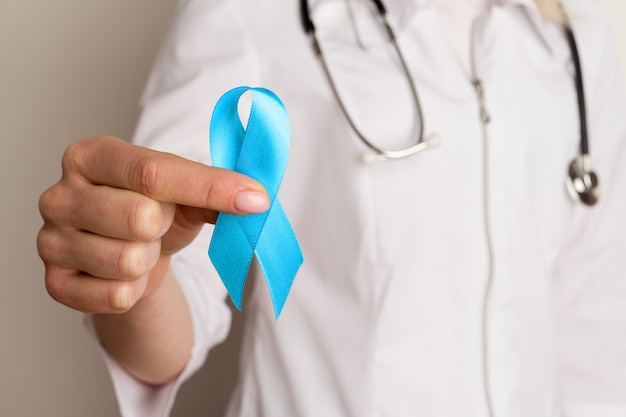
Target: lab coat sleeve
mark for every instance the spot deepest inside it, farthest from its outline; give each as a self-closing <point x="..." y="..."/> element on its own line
<point x="211" y="321"/>
<point x="590" y="285"/>
<point x="206" y="52"/>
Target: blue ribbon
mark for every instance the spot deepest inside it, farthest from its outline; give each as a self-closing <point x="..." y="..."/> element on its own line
<point x="259" y="151"/>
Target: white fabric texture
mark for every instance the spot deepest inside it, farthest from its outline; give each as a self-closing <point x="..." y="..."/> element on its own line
<point x="385" y="317"/>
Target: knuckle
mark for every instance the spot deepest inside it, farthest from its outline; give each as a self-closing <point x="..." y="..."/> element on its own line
<point x="48" y="244"/>
<point x="211" y="188"/>
<point x="78" y="154"/>
<point x="147" y="176"/>
<point x="50" y="201"/>
<point x="45" y="202"/>
<point x="219" y="192"/>
<point x="43" y="243"/>
<point x="72" y="155"/>
<point x="56" y="285"/>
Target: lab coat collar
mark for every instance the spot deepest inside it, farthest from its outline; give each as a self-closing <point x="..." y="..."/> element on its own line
<point x="404" y="7"/>
<point x="403" y="10"/>
<point x="534" y="16"/>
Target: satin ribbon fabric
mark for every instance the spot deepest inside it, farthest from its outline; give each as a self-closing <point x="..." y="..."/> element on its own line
<point x="259" y="151"/>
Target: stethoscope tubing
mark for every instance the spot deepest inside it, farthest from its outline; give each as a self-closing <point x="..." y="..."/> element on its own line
<point x="582" y="181"/>
<point x="420" y="143"/>
<point x="580" y="90"/>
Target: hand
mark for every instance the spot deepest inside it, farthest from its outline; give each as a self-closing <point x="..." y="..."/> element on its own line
<point x="119" y="210"/>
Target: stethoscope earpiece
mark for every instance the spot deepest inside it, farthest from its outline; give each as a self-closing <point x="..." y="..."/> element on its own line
<point x="582" y="182"/>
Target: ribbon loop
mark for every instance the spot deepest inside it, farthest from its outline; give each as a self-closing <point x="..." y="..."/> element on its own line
<point x="259" y="151"/>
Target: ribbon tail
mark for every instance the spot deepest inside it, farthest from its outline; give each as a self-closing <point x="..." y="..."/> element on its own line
<point x="231" y="253"/>
<point x="279" y="256"/>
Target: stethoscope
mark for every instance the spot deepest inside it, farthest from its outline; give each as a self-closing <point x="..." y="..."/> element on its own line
<point x="581" y="180"/>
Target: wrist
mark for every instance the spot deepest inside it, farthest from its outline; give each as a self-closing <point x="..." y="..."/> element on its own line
<point x="152" y="340"/>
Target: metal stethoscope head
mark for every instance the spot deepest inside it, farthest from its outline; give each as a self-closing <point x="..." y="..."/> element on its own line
<point x="581" y="180"/>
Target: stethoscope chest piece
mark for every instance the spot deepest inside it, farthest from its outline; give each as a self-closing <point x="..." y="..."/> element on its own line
<point x="582" y="182"/>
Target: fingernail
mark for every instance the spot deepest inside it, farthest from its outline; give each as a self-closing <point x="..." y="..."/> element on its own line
<point x="252" y="202"/>
<point x="123" y="298"/>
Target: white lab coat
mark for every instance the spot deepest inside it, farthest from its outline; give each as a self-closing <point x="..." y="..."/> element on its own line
<point x="385" y="317"/>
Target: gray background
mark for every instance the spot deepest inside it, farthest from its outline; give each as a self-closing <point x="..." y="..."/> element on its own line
<point x="71" y="69"/>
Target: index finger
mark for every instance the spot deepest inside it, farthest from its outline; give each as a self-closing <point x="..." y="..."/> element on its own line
<point x="163" y="176"/>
